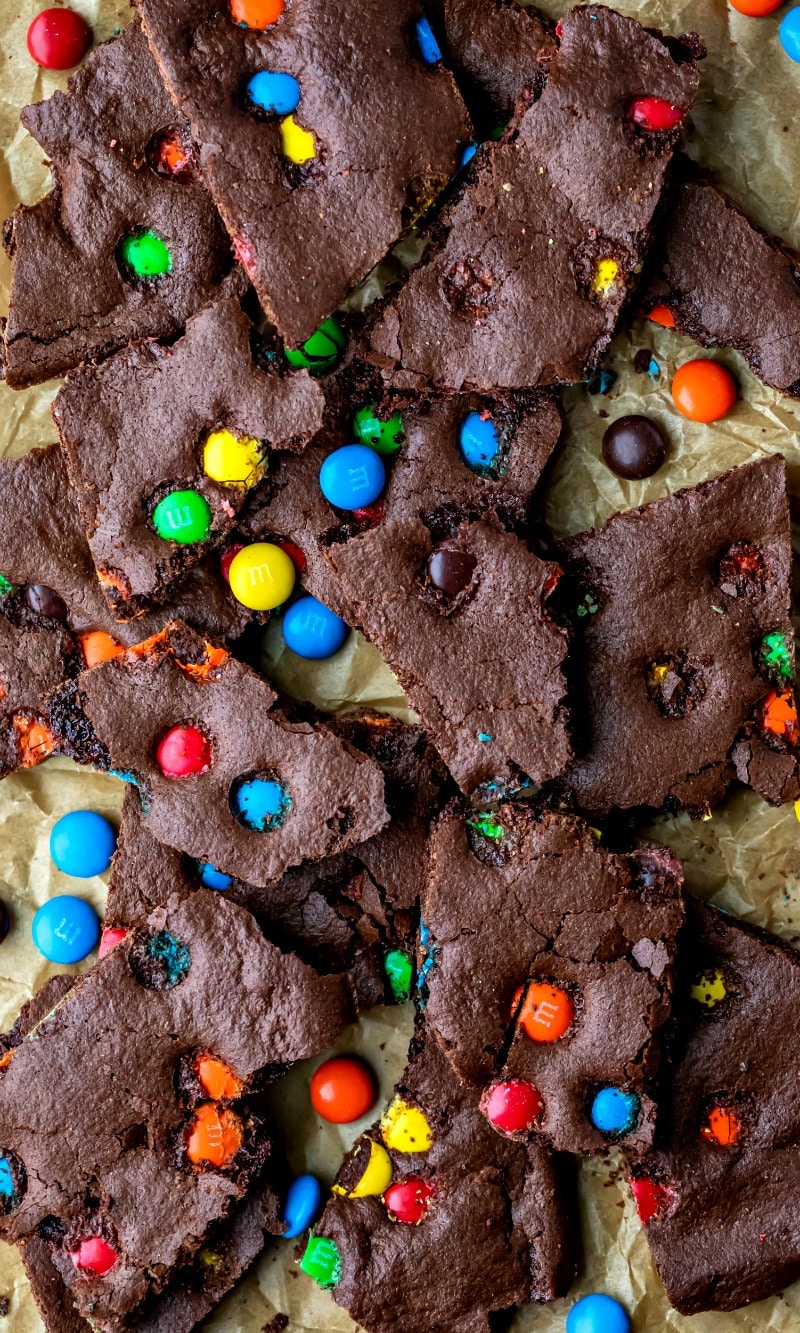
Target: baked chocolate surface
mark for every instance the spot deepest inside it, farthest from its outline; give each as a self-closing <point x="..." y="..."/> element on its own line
<point x="135" y="429"/>
<point x="33" y="662"/>
<point x="523" y="896"/>
<point x="331" y="795"/>
<point x="386" y="133"/>
<point x="711" y="261"/>
<point x="70" y="301"/>
<point x="123" y="1049"/>
<point x="499" y="1226"/>
<point x="495" y="48"/>
<point x="535" y="256"/>
<point x="688" y="647"/>
<point x="723" y="1225"/>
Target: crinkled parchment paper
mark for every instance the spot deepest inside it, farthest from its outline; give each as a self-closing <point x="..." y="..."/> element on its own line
<point x="746" y="857"/>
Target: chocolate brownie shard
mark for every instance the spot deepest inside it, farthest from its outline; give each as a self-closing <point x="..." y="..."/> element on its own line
<point x="494" y="1217"/>
<point x="535" y="257"/>
<point x="547" y="959"/>
<point x="156" y="1055"/>
<point x="688" y="647"/>
<point x="317" y="180"/>
<point x="717" y="1196"/>
<point x="711" y="261"/>
<point x="223" y="776"/>
<point x="34" y="660"/>
<point x="198" y="418"/>
<point x="355" y="911"/>
<point x="110" y="139"/>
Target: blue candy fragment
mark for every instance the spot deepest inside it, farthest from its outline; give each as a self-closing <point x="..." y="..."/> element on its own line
<point x="173" y="955"/>
<point x="277" y="94"/>
<point x="260" y="803"/>
<point x="789" y="33"/>
<point x="302" y="1206"/>
<point x="615" y="1112"/>
<point x="429" y="48"/>
<point x="213" y="878"/>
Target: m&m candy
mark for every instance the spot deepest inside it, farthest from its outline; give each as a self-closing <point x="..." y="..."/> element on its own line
<point x="322" y="1261"/>
<point x="170" y="153"/>
<point x="261" y="803"/>
<point x="352" y="477"/>
<point x="301" y="1206"/>
<point x="182" y="516"/>
<point x="513" y="1107"/>
<point x="145" y="256"/>
<point x="789" y="33"/>
<point x="261" y="576"/>
<point x="82" y="843"/>
<point x="257" y="14"/>
<point x="94" y="1256"/>
<point x="479" y="441"/>
<point x="273" y="92"/>
<point x="184" y="752"/>
<point x="343" y="1090"/>
<point x="614" y="1112"/>
<point x="321" y="352"/>
<point x="385" y="436"/>
<point x="467" y="153"/>
<point x="703" y="390"/>
<point x="405" y="1128"/>
<point x="58" y="39"/>
<point x="428" y="46"/>
<point x="376" y="1175"/>
<point x="214" y="1137"/>
<point x="652" y="1199"/>
<point x="232" y="460"/>
<point x="216" y="1078"/>
<point x="756" y="9"/>
<point x="399" y="973"/>
<point x="722" y="1127"/>
<point x="110" y="938"/>
<point x="65" y="929"/>
<point x="312" y="630"/>
<point x="407" y="1200"/>
<point x="598" y="1314"/>
<point x="97" y="646"/>
<point x="653" y="113"/>
<point x="661" y="314"/>
<point x="213" y="878"/>
<point x="547" y="1011"/>
<point x="297" y="143"/>
<point x="709" y="989"/>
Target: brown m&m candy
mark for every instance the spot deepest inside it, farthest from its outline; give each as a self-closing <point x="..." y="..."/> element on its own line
<point x="451" y="571"/>
<point x="45" y="601"/>
<point x="634" y="447"/>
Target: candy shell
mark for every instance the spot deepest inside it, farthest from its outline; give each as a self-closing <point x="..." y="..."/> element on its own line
<point x="479" y="441"/>
<point x="184" y="752"/>
<point x="302" y="1205"/>
<point x="182" y="516"/>
<point x="547" y="1013"/>
<point x="260" y="803"/>
<point x="512" y="1106"/>
<point x="399" y="973"/>
<point x="58" y="39"/>
<point x="615" y="1112"/>
<point x="312" y="630"/>
<point x="213" y="878"/>
<point x="144" y="256"/>
<point x="233" y="460"/>
<point x="261" y="576"/>
<point x="94" y="1256"/>
<point x="214" y="1136"/>
<point x="789" y="33"/>
<point x="257" y="14"/>
<point x="722" y="1127"/>
<point x="407" y="1200"/>
<point x="598" y="1314"/>
<point x="427" y="44"/>
<point x="216" y="1078"/>
<point x="65" y="929"/>
<point x="352" y="477"/>
<point x="661" y="314"/>
<point x="110" y="938"/>
<point x="297" y="143"/>
<point x="385" y="436"/>
<point x="710" y="989"/>
<point x="405" y="1128"/>
<point x="343" y="1090"/>
<point x="321" y="351"/>
<point x="322" y="1261"/>
<point x="97" y="646"/>
<point x="376" y="1176"/>
<point x="82" y="843"/>
<point x="703" y="390"/>
<point x="654" y="113"/>
<point x="651" y="1198"/>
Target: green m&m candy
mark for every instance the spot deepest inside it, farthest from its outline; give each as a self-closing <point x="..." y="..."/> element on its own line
<point x="776" y="655"/>
<point x="487" y="826"/>
<point x="321" y="352"/>
<point x="322" y="1261"/>
<point x="6" y="585"/>
<point x="385" y="437"/>
<point x="144" y="255"/>
<point x="182" y="516"/>
<point x="399" y="973"/>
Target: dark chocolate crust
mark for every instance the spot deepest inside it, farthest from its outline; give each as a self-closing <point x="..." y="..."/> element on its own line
<point x="505" y="295"/>
<point x="495" y="48"/>
<point x="69" y="302"/>
<point x="34" y="660"/>
<point x="499" y="1230"/>
<point x="386" y="130"/>
<point x="728" y="1232"/>
<point x="544" y="900"/>
<point x="655" y="577"/>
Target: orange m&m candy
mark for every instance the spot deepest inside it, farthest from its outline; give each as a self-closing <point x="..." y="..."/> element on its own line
<point x="756" y="9"/>
<point x="703" y="390"/>
<point x="661" y="314"/>
<point x="215" y="1136"/>
<point x="97" y="647"/>
<point x="343" y="1089"/>
<point x="258" y="14"/>
<point x="547" y="1012"/>
<point x="722" y="1127"/>
<point x="779" y="715"/>
<point x="216" y="1078"/>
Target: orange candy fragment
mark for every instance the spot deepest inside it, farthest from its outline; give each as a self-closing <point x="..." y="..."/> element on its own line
<point x="661" y="314"/>
<point x="35" y="741"/>
<point x="779" y="715"/>
<point x="97" y="647"/>
<point x="547" y="1012"/>
<point x="756" y="9"/>
<point x="215" y="1136"/>
<point x="215" y="660"/>
<point x="216" y="1078"/>
<point x="722" y="1127"/>
<point x="704" y="390"/>
<point x="258" y="14"/>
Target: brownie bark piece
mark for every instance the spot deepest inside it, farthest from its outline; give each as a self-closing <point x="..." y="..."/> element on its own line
<point x="137" y="427"/>
<point x="718" y="1195"/>
<point x="523" y="902"/>
<point x="43" y="545"/>
<point x="328" y="797"/>
<point x="33" y="662"/>
<point x="123" y="1048"/>
<point x="71" y="300"/>
<point x="535" y="256"/>
<point x="495" y="48"/>
<point x="497" y="1230"/>
<point x="711" y="261"/>
<point x="385" y="131"/>
<point x="688" y="647"/>
<point x="354" y="912"/>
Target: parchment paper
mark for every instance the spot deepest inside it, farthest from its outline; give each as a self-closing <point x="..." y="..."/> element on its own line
<point x="746" y="857"/>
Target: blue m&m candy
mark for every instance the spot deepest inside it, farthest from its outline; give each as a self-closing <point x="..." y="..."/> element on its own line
<point x="479" y="442"/>
<point x="65" y="929"/>
<point x="429" y="48"/>
<point x="82" y="843"/>
<point x="598" y="1314"/>
<point x="302" y="1206"/>
<point x="213" y="878"/>
<point x="260" y="803"/>
<point x="312" y="630"/>
<point x="615" y="1112"/>
<point x="467" y="153"/>
<point x="789" y="33"/>
<point x="352" y="477"/>
<point x="278" y="94"/>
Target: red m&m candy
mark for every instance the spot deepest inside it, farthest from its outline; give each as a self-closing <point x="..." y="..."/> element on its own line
<point x="343" y="1089"/>
<point x="110" y="938"/>
<point x="184" y="752"/>
<point x="651" y="1198"/>
<point x="94" y="1256"/>
<point x="58" y="38"/>
<point x="653" y="113"/>
<point x="513" y="1106"/>
<point x="756" y="9"/>
<point x="407" y="1200"/>
<point x="703" y="390"/>
<point x="661" y="314"/>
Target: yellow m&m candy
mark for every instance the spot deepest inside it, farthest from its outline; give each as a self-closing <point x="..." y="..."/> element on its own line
<point x="233" y="460"/>
<point x="296" y="143"/>
<point x="405" y="1128"/>
<point x="376" y="1176"/>
<point x="261" y="576"/>
<point x="605" y="277"/>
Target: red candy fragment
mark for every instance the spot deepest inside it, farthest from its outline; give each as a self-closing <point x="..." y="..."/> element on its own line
<point x="407" y="1200"/>
<point x="184" y="752"/>
<point x="170" y="153"/>
<point x="779" y="716"/>
<point x="94" y="1256"/>
<point x="722" y="1127"/>
<point x="110" y="938"/>
<point x="227" y="558"/>
<point x="651" y="1198"/>
<point x="296" y="556"/>
<point x="512" y="1107"/>
<point x="653" y="113"/>
<point x="58" y="39"/>
<point x="373" y="514"/>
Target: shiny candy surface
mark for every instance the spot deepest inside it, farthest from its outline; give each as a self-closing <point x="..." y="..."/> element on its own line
<point x="233" y="460"/>
<point x="383" y="435"/>
<point x="661" y="314"/>
<point x="312" y="630"/>
<point x="145" y="256"/>
<point x="651" y="1198"/>
<point x="427" y="44"/>
<point x="343" y="1090"/>
<point x="399" y="973"/>
<point x="182" y="516"/>
<point x="755" y="9"/>
<point x="257" y="14"/>
<point x="722" y="1127"/>
<point x="261" y="803"/>
<point x="407" y="1200"/>
<point x="634" y="447"/>
<point x="184" y="752"/>
<point x="547" y="1012"/>
<point x="94" y="1256"/>
<point x="214" y="1136"/>
<point x="479" y="441"/>
<point x="297" y="143"/>
<point x="322" y="1261"/>
<point x="451" y="571"/>
<point x="98" y="646"/>
<point x="58" y="38"/>
<point x="513" y="1106"/>
<point x="352" y="477"/>
<point x="710" y="989"/>
<point x="46" y="601"/>
<point x="614" y="1112"/>
<point x="216" y="1078"/>
<point x="405" y="1128"/>
<point x="703" y="390"/>
<point x="606" y="275"/>
<point x="598" y="1314"/>
<point x="82" y="843"/>
<point x="213" y="878"/>
<point x="778" y="714"/>
<point x="653" y="113"/>
<point x="110" y="938"/>
<point x="302" y="1205"/>
<point x="274" y="92"/>
<point x="376" y="1176"/>
<point x="261" y="576"/>
<point x="789" y="32"/>
<point x="321" y="351"/>
<point x="65" y="929"/>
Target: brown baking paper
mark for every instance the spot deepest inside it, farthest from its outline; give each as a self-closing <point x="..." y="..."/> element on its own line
<point x="746" y="857"/>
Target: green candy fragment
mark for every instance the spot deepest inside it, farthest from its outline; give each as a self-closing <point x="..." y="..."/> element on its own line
<point x="588" y="606"/>
<point x="776" y="655"/>
<point x="182" y="516"/>
<point x="321" y="352"/>
<point x="385" y="437"/>
<point x="145" y="255"/>
<point x="399" y="973"/>
<point x="323" y="1262"/>
<point x="487" y="826"/>
<point x="6" y="586"/>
